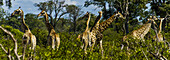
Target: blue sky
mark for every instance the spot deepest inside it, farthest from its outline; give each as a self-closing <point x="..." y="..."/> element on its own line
<point x="28" y="6"/>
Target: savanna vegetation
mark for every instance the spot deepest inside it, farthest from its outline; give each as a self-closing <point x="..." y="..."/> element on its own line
<point x="67" y="21"/>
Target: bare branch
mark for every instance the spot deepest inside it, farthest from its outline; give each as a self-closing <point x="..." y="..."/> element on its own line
<point x="144" y="54"/>
<point x="3" y="49"/>
<point x="7" y="52"/>
<point x="61" y="16"/>
<point x="14" y="40"/>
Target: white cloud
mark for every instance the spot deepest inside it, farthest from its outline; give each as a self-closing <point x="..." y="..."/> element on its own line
<point x="69" y="2"/>
<point x="37" y="1"/>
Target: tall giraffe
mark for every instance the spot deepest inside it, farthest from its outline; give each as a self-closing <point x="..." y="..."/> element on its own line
<point x="85" y="36"/>
<point x="96" y="33"/>
<point x="94" y="30"/>
<point x="141" y="32"/>
<point x="52" y="36"/>
<point x="28" y="37"/>
<point x="159" y="34"/>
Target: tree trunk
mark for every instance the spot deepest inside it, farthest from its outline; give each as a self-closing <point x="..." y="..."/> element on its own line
<point x="127" y="17"/>
<point x="126" y="26"/>
<point x="74" y="28"/>
<point x="163" y="25"/>
<point x="117" y="26"/>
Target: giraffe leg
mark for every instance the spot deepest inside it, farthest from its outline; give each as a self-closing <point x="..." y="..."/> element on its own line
<point x="93" y="43"/>
<point x="33" y="45"/>
<point x="89" y="40"/>
<point x="83" y="44"/>
<point x="53" y="43"/>
<point x="58" y="43"/>
<point x="101" y="47"/>
<point x="86" y="44"/>
<point x="33" y="42"/>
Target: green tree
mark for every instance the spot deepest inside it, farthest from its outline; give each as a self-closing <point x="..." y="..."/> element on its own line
<point x="33" y="22"/>
<point x="53" y="7"/>
<point x="7" y="3"/>
<point x="161" y="8"/>
<point x="130" y="9"/>
<point x="74" y="12"/>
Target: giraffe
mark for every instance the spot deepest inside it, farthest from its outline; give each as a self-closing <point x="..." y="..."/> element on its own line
<point x="52" y="35"/>
<point x="85" y="36"/>
<point x="159" y="34"/>
<point x="93" y="30"/>
<point x="28" y="37"/>
<point x="96" y="32"/>
<point x="141" y="32"/>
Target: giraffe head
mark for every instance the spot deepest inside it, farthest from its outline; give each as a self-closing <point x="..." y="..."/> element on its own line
<point x="17" y="12"/>
<point x="42" y="13"/>
<point x="119" y="15"/>
<point x="152" y="19"/>
<point x="161" y="19"/>
<point x="86" y="15"/>
<point x="100" y="13"/>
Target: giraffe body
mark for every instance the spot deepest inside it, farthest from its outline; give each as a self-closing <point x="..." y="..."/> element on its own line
<point x="29" y="38"/>
<point x="107" y="23"/>
<point x="55" y="39"/>
<point x="141" y="32"/>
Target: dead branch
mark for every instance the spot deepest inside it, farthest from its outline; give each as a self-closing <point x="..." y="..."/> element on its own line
<point x="9" y="56"/>
<point x="14" y="40"/>
<point x="3" y="49"/>
<point x="144" y="54"/>
<point x="158" y="56"/>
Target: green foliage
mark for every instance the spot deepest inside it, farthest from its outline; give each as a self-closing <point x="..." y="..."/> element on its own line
<point x="7" y="3"/>
<point x="41" y="36"/>
<point x="29" y="18"/>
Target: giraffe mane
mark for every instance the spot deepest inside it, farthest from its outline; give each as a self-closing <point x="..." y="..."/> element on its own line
<point x="97" y="19"/>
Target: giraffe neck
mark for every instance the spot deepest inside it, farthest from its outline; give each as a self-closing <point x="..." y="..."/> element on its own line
<point x="160" y="27"/>
<point x="46" y="18"/>
<point x="23" y="23"/>
<point x="106" y="23"/>
<point x="141" y="32"/>
<point x="146" y="29"/>
<point x="87" y="28"/>
<point x="96" y="23"/>
<point x="48" y="25"/>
